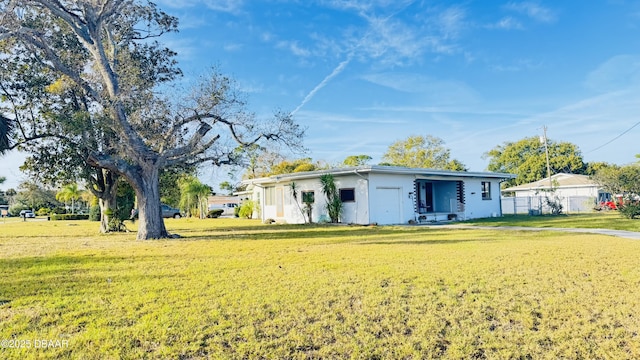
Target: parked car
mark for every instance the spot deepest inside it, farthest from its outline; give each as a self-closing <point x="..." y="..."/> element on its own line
<point x="27" y="214"/>
<point x="167" y="212"/>
<point x="227" y="208"/>
<point x="170" y="212"/>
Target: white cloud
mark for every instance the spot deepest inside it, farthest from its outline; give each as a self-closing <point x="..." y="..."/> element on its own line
<point x="233" y="47"/>
<point x="619" y="72"/>
<point x="519" y="65"/>
<point x="436" y="91"/>
<point x="294" y="48"/>
<point x="451" y="22"/>
<point x="533" y="10"/>
<point x="506" y="23"/>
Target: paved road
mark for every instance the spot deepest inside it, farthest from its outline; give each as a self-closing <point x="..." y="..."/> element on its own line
<point x="619" y="233"/>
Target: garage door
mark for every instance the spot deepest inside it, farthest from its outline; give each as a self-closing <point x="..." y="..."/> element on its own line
<point x="387" y="207"/>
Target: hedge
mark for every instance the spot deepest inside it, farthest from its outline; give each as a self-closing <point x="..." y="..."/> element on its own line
<point x="215" y="213"/>
<point x="68" y="217"/>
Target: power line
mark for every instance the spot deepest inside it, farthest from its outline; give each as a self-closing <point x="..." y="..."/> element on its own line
<point x="614" y="139"/>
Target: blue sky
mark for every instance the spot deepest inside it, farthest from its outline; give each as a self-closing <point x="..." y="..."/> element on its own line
<point x="363" y="74"/>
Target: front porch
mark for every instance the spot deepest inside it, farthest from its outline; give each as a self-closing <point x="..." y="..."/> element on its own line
<point x="434" y="217"/>
<point x="438" y="200"/>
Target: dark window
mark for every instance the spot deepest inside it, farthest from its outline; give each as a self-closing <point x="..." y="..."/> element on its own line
<point x="347" y="195"/>
<point x="308" y="197"/>
<point x="486" y="190"/>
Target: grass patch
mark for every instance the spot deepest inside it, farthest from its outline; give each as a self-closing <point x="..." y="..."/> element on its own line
<point x="234" y="288"/>
<point x="601" y="220"/>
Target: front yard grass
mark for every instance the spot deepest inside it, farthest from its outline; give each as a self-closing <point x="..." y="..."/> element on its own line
<point x="596" y="220"/>
<point x="239" y="289"/>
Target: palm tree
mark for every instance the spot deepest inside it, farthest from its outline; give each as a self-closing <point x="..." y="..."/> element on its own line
<point x="194" y="195"/>
<point x="69" y="192"/>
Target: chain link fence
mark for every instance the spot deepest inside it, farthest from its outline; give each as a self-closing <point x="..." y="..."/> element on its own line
<point x="537" y="205"/>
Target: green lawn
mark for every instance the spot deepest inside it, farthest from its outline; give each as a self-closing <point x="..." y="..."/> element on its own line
<point x="598" y="220"/>
<point x="238" y="289"/>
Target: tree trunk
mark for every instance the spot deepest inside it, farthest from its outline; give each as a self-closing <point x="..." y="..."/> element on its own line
<point x="106" y="202"/>
<point x="147" y="188"/>
<point x="144" y="178"/>
<point x="108" y="199"/>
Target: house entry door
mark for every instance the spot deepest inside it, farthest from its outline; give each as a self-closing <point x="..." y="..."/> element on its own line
<point x="424" y="196"/>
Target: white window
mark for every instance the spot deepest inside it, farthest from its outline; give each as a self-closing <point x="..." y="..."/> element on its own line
<point x="270" y="195"/>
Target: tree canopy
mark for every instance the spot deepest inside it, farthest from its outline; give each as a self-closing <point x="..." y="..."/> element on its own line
<point x="356" y="160"/>
<point x="421" y="152"/>
<point x="526" y="158"/>
<point x="105" y="52"/>
<point x="622" y="180"/>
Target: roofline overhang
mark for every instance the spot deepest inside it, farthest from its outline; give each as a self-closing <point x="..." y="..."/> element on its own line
<point x="430" y="173"/>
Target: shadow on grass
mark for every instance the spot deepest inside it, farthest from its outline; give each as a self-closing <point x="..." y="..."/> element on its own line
<point x="301" y="232"/>
<point x="427" y="242"/>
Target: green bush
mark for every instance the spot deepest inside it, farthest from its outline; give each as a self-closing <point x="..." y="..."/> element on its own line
<point x="69" y="217"/>
<point x="94" y="213"/>
<point x="43" y="212"/>
<point x="236" y="211"/>
<point x="246" y="209"/>
<point x="215" y="213"/>
<point x="15" y="210"/>
<point x="630" y="211"/>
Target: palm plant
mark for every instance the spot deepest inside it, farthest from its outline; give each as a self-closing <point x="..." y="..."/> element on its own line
<point x="69" y="192"/>
<point x="194" y="195"/>
<point x="330" y="190"/>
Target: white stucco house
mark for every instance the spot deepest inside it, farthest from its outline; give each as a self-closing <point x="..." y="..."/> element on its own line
<point x="563" y="184"/>
<point x="382" y="195"/>
<point x="577" y="193"/>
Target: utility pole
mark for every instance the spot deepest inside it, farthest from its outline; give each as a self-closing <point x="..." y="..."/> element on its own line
<point x="546" y="151"/>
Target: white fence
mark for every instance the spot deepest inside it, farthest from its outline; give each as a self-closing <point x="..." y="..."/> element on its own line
<point x="535" y="205"/>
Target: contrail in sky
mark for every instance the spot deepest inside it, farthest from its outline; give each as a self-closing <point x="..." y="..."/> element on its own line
<point x="324" y="82"/>
<point x="340" y="68"/>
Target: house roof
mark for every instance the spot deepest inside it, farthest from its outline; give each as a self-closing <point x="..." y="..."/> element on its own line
<point x="561" y="180"/>
<point x="397" y="170"/>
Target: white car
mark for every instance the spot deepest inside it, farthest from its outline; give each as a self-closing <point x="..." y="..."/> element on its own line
<point x="228" y="208"/>
<point x="27" y="214"/>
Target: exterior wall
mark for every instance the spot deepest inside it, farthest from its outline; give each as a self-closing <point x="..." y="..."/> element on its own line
<point x="475" y="206"/>
<point x="356" y="212"/>
<point x="384" y="199"/>
<point x="353" y="212"/>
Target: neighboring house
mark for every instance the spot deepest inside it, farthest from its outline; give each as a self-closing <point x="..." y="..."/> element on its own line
<point x="577" y="193"/>
<point x="563" y="185"/>
<point x="382" y="195"/>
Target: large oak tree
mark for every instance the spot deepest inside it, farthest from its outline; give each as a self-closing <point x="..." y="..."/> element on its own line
<point x="527" y="159"/>
<point x="422" y="152"/>
<point x="104" y="48"/>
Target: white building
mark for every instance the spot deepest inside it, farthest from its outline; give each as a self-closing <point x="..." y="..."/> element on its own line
<point x="576" y="193"/>
<point x="563" y="184"/>
<point x="382" y="195"/>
